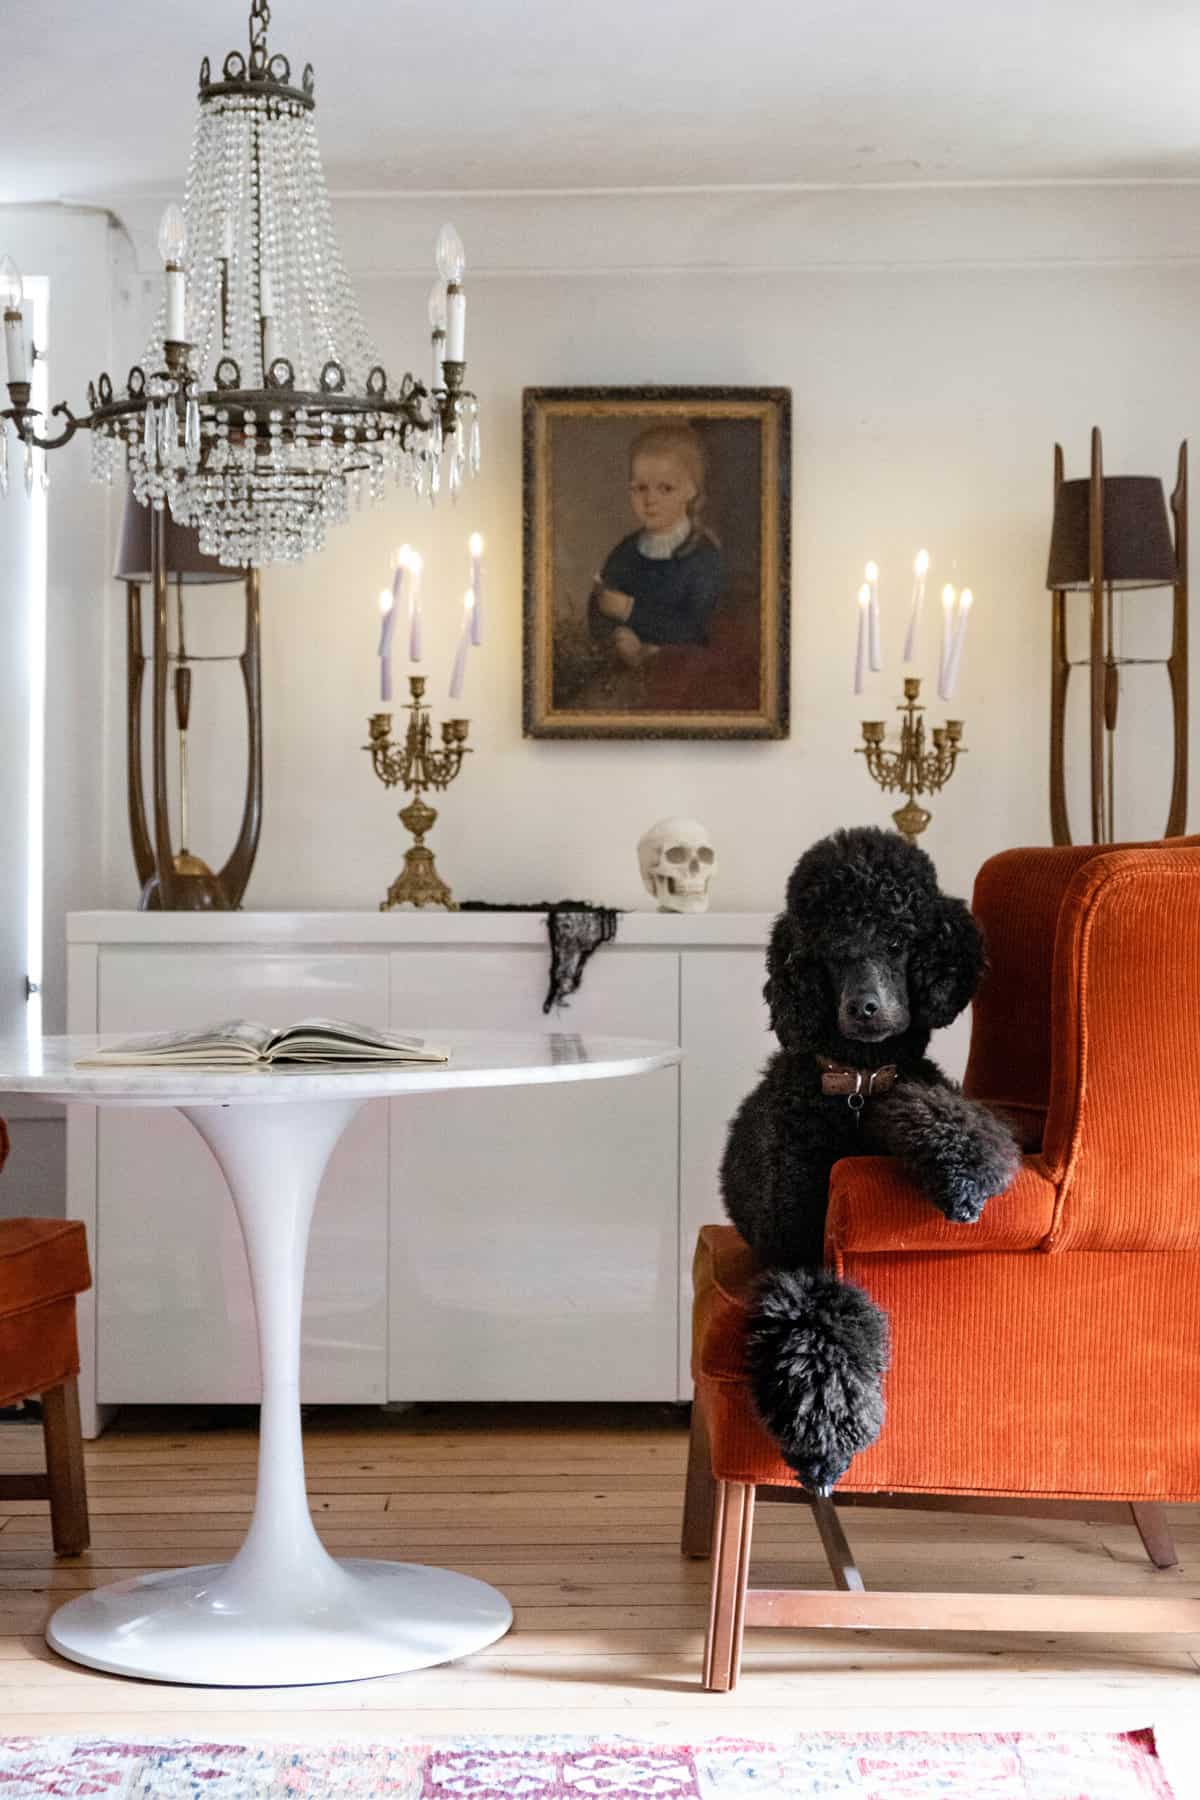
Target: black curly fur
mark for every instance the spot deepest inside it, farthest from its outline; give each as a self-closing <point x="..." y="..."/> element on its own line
<point x="817" y="1352"/>
<point x="864" y="922"/>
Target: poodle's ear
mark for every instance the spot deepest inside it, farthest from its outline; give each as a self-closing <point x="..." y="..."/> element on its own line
<point x="795" y="990"/>
<point x="945" y="964"/>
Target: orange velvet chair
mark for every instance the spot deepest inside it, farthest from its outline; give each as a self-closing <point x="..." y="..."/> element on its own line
<point x="1046" y="1359"/>
<point x="43" y="1265"/>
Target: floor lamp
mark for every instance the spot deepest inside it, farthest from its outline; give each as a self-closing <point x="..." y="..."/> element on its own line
<point x="157" y="552"/>
<point x="1110" y="535"/>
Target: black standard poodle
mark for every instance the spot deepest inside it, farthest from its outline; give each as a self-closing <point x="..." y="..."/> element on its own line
<point x="867" y="959"/>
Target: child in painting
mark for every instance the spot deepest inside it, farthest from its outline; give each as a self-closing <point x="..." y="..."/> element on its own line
<point x="660" y="585"/>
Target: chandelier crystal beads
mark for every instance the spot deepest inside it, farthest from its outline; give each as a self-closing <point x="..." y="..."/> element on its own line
<point x="261" y="410"/>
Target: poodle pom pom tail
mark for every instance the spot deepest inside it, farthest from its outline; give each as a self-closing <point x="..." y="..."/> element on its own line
<point x="817" y="1351"/>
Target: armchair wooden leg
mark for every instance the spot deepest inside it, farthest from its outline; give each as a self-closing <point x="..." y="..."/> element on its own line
<point x="1155" y="1533"/>
<point x="64" y="1469"/>
<point x="700" y="1493"/>
<point x="731" y="1571"/>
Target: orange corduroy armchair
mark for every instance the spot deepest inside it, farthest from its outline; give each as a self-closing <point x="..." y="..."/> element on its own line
<point x="1048" y="1356"/>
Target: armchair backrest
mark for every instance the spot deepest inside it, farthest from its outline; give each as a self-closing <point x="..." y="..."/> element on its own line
<point x="1098" y="1034"/>
<point x="1017" y="899"/>
<point x="1123" y="1124"/>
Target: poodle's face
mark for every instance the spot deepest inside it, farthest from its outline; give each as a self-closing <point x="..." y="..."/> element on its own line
<point x="868" y="980"/>
<point x="868" y="951"/>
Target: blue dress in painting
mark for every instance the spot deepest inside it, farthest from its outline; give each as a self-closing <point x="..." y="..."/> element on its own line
<point x="674" y="597"/>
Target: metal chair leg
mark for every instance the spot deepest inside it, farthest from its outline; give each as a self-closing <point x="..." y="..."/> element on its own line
<point x="838" y="1553"/>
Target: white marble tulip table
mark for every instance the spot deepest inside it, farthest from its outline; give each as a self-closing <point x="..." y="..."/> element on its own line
<point x="283" y="1611"/>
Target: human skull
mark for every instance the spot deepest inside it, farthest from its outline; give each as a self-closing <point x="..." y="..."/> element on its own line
<point x="678" y="863"/>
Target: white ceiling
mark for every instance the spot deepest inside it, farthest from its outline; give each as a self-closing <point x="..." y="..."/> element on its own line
<point x="97" y="97"/>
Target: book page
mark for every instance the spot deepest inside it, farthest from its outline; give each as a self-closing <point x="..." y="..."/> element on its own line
<point x="237" y="1040"/>
<point x="343" y="1031"/>
<point x="342" y="1040"/>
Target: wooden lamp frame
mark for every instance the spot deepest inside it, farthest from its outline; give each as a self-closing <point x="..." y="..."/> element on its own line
<point x="1103" y="665"/>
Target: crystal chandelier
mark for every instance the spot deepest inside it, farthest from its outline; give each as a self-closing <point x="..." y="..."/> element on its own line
<point x="261" y="411"/>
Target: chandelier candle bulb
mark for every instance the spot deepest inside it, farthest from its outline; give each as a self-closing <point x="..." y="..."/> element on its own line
<point x="860" y="654"/>
<point x="437" y="326"/>
<point x="476" y="548"/>
<point x="172" y="246"/>
<point x="948" y="599"/>
<point x="451" y="262"/>
<point x="920" y="571"/>
<point x="874" y="650"/>
<point x="12" y="297"/>
<point x="14" y="345"/>
<point x="954" y="660"/>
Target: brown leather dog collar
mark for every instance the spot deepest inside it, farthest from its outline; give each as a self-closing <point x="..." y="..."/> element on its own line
<point x="855" y="1084"/>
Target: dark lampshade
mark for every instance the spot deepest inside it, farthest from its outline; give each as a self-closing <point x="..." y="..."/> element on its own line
<point x="185" y="560"/>
<point x="1138" y="551"/>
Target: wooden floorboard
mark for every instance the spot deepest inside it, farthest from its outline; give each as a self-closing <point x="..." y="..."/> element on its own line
<point x="574" y="1512"/>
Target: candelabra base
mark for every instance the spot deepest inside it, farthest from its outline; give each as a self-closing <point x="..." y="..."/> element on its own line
<point x="418" y="884"/>
<point x="911" y="820"/>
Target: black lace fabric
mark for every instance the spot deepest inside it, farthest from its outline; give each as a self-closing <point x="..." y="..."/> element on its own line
<point x="576" y="930"/>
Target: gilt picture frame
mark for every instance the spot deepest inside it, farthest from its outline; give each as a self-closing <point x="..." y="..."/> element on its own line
<point x="657" y="562"/>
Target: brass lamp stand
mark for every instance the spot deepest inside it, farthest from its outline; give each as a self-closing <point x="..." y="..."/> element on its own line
<point x="417" y="765"/>
<point x="155" y="549"/>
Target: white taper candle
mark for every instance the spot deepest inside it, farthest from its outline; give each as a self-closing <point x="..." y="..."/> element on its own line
<point x="860" y="654"/>
<point x="414" y="606"/>
<point x="920" y="570"/>
<point x="459" y="672"/>
<point x="948" y="599"/>
<point x="476" y="548"/>
<point x="954" y="663"/>
<point x="875" y="652"/>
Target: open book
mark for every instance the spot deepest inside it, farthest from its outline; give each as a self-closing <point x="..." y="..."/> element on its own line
<point x="236" y="1043"/>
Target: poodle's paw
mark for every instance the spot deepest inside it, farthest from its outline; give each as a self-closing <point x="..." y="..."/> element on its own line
<point x="817" y="1353"/>
<point x="961" y="1200"/>
<point x="961" y="1153"/>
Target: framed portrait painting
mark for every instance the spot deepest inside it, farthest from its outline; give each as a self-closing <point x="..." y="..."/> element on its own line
<point x="657" y="562"/>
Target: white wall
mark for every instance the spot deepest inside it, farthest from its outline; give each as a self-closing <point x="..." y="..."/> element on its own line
<point x="935" y="343"/>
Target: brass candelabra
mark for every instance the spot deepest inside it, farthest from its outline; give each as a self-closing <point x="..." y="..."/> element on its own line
<point x="913" y="768"/>
<point x="417" y="765"/>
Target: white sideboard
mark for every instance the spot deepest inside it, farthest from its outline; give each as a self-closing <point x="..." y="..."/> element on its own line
<point x="521" y="1244"/>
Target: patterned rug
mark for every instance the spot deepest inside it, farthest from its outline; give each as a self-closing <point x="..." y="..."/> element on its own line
<point x="834" y="1766"/>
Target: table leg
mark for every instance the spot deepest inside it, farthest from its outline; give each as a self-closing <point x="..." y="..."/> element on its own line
<point x="284" y="1611"/>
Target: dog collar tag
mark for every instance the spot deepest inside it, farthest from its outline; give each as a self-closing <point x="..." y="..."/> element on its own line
<point x="855" y="1086"/>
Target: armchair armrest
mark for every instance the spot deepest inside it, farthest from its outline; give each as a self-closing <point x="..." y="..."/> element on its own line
<point x="875" y="1210"/>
